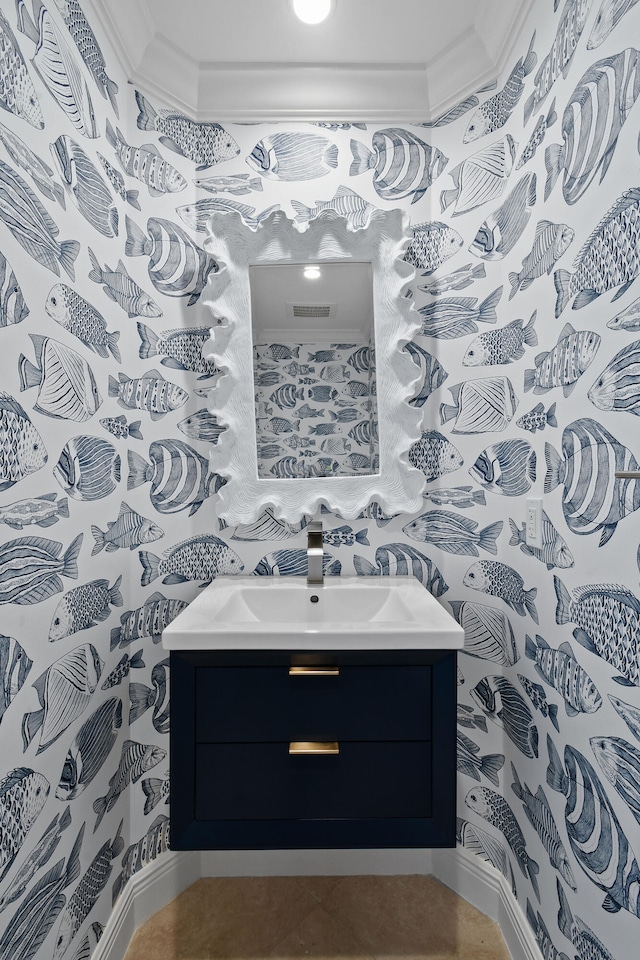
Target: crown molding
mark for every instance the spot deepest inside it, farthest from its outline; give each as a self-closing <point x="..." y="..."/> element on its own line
<point x="255" y="91"/>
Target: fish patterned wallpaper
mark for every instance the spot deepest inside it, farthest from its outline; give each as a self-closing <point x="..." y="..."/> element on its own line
<point x="525" y="203"/>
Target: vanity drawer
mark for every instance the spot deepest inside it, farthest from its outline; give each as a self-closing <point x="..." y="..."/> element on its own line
<point x="248" y="781"/>
<point x="260" y="704"/>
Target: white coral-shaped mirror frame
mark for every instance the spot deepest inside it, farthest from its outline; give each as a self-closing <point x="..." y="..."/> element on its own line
<point x="236" y="245"/>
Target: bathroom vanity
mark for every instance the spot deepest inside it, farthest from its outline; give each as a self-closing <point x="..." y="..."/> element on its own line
<point x="318" y="729"/>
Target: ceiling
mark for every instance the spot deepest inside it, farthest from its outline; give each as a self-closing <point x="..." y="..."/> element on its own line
<point x="252" y="60"/>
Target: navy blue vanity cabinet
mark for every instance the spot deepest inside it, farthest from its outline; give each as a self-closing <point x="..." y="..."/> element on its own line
<point x="275" y="750"/>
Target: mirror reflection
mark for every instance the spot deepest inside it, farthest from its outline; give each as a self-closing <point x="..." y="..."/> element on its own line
<point x="314" y="369"/>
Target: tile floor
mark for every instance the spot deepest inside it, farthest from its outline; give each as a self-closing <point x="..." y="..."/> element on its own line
<point x="408" y="917"/>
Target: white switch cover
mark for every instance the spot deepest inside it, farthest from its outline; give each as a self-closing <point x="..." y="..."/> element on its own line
<point x="533" y="529"/>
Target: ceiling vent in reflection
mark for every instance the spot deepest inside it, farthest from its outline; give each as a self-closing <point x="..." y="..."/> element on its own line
<point x="312" y="311"/>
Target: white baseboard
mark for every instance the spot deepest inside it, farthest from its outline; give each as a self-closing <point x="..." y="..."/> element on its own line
<point x="469" y="876"/>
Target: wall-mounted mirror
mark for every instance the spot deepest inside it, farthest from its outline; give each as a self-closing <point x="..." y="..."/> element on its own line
<point x="314" y="370"/>
<point x="309" y="327"/>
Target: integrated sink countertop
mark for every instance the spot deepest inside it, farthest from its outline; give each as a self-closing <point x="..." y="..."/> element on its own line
<point x="278" y="613"/>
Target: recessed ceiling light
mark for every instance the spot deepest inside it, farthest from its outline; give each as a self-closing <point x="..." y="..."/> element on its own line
<point x="312" y="11"/>
<point x="311" y="273"/>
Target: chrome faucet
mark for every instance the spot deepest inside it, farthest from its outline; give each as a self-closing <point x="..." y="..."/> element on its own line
<point x="315" y="553"/>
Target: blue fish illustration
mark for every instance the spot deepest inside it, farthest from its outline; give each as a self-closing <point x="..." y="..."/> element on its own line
<point x="488" y="634"/>
<point x="120" y="428"/>
<point x="153" y="844"/>
<point x="480" y="406"/>
<point x="452" y="533"/>
<point x="135" y="759"/>
<point x="85" y="186"/>
<point x="616" y="387"/>
<point x="178" y="474"/>
<point x="67" y="384"/>
<point x="143" y="698"/>
<point x="432" y="373"/>
<point x="88" y="468"/>
<point x="401" y="560"/>
<point x="149" y="620"/>
<point x="14" y="670"/>
<point x="90" y="749"/>
<point x="403" y="164"/>
<point x="596" y="838"/>
<point x="620" y="763"/>
<point x="293" y="156"/>
<point x="537" y="696"/>
<point x="461" y="497"/>
<point x="608" y="258"/>
<point x="577" y="931"/>
<point x="500" y="701"/>
<point x="550" y="242"/>
<point x="201" y="425"/>
<point x="23" y="794"/>
<point x="203" y="143"/>
<point x="629" y="713"/>
<point x="452" y="317"/>
<point x="197" y="215"/>
<point x="507" y="468"/>
<point x="434" y="455"/>
<point x="17" y="92"/>
<point x="495" y="810"/>
<point x="57" y="67"/>
<point x="84" y="606"/>
<point x="560" y="669"/>
<point x="117" y="182"/>
<point x="538" y="418"/>
<point x="13" y="308"/>
<point x="564" y="364"/>
<point x="155" y="790"/>
<point x="591" y="124"/>
<point x="346" y="202"/>
<point x="32" y="921"/>
<point x="503" y="228"/>
<point x="570" y="26"/>
<point x="80" y="318"/>
<point x="593" y="497"/>
<point x="122" y="670"/>
<point x="494" y="113"/>
<point x="609" y="15"/>
<point x="470" y="762"/>
<point x="64" y="691"/>
<point x="150" y="392"/>
<point x="83" y="898"/>
<point x="456" y="280"/>
<point x="287" y="396"/>
<point x="23" y="156"/>
<point x="500" y="580"/>
<point x="539" y="815"/>
<point x="235" y="183"/>
<point x="199" y="558"/>
<point x="481" y="177"/>
<point x="31" y="568"/>
<point x="293" y="563"/>
<point x="32" y="226"/>
<point x="39" y="855"/>
<point x="554" y="551"/>
<point x="503" y="345"/>
<point x="608" y="624"/>
<point x="43" y="511"/>
<point x="145" y="164"/>
<point x="432" y="245"/>
<point x="88" y="47"/>
<point x="538" y="135"/>
<point x="124" y="291"/>
<point x="178" y="267"/>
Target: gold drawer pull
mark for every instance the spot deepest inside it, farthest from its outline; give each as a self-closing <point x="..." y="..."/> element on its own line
<point x="314" y="671"/>
<point x="314" y="747"/>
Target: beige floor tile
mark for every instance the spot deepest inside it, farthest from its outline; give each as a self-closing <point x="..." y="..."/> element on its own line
<point x="387" y="918"/>
<point x="319" y="887"/>
<point x="408" y="917"/>
<point x="322" y="937"/>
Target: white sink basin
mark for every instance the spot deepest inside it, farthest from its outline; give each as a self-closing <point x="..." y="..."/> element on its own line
<point x="280" y="613"/>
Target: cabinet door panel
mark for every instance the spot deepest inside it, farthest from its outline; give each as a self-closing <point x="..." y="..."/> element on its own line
<point x="260" y="704"/>
<point x="263" y="782"/>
